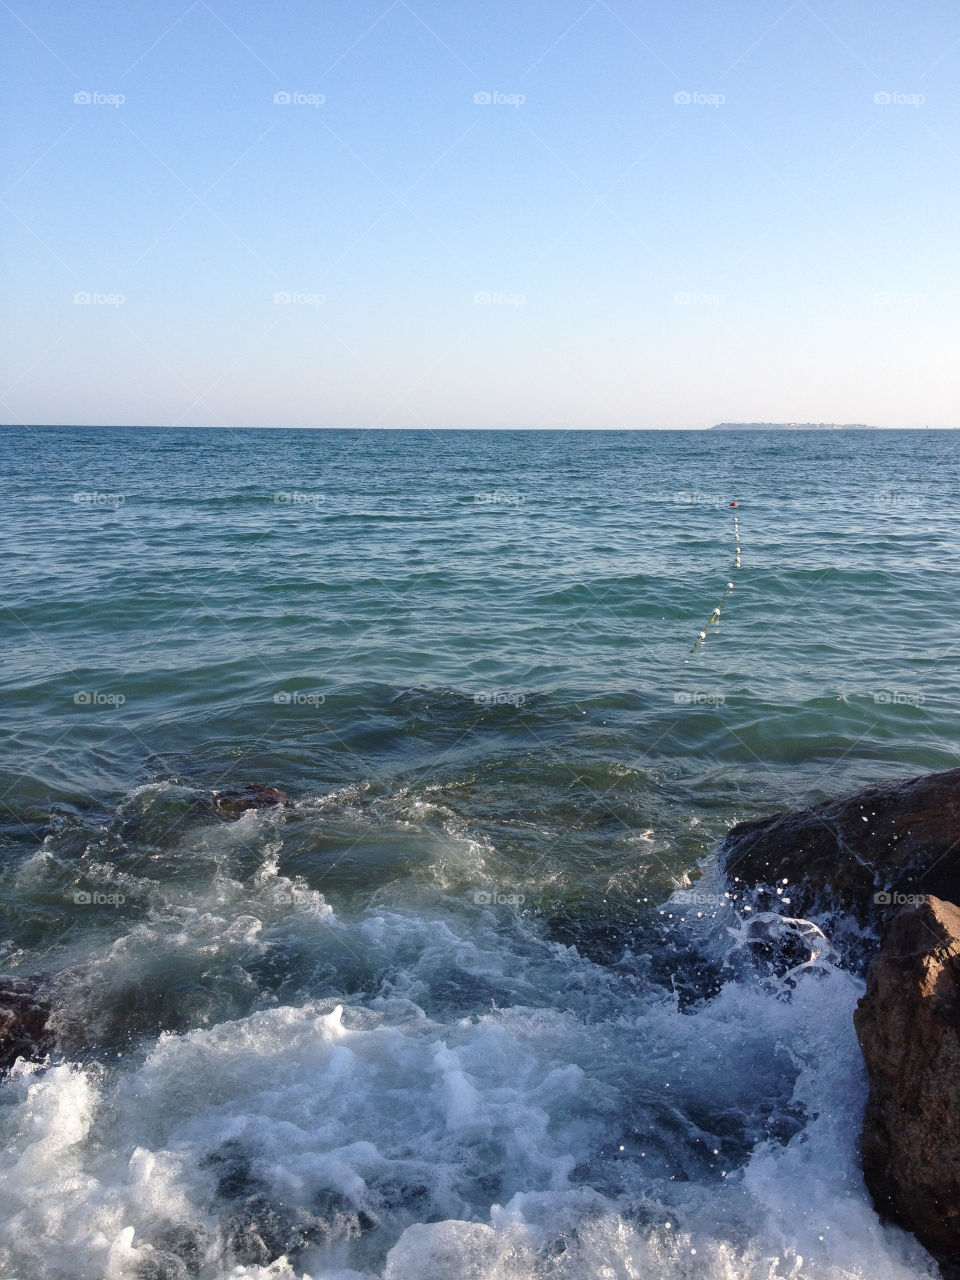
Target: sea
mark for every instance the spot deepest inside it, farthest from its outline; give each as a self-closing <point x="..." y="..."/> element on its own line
<point x="477" y="1004"/>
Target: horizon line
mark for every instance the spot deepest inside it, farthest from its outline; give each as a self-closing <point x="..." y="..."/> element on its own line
<point x="155" y="426"/>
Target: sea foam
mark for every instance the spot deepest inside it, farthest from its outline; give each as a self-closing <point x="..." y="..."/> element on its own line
<point x="586" y="1129"/>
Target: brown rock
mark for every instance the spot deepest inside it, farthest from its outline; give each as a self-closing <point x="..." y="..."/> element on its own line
<point x="898" y="837"/>
<point x="908" y="1023"/>
<point x="23" y="1020"/>
<point x="234" y="801"/>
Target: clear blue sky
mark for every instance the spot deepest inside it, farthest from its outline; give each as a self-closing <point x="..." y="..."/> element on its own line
<point x="783" y="246"/>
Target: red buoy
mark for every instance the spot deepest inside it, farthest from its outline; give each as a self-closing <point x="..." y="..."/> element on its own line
<point x="734" y="504"/>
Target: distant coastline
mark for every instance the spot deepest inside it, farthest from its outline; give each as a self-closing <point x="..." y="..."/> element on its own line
<point x="793" y="426"/>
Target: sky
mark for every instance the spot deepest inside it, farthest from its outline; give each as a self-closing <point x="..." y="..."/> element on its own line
<point x="423" y="213"/>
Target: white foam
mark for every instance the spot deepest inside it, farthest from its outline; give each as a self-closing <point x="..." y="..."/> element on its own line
<point x="544" y="1120"/>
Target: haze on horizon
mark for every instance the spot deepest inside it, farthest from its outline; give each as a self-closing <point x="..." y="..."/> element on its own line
<point x="412" y="214"/>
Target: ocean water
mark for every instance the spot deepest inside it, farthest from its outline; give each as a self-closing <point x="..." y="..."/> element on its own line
<point x="475" y="1005"/>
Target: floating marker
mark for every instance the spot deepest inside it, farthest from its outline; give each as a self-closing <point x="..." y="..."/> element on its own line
<point x="714" y="620"/>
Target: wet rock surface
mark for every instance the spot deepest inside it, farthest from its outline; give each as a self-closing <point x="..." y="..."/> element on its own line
<point x="885" y="860"/>
<point x="864" y="854"/>
<point x="908" y="1023"/>
<point x="232" y="802"/>
<point x="24" y="1013"/>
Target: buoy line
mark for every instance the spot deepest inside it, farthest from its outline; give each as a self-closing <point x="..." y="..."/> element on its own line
<point x="714" y="619"/>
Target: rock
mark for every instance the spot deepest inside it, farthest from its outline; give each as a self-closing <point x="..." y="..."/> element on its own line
<point x="894" y="838"/>
<point x="234" y="801"/>
<point x="783" y="946"/>
<point x="908" y="1023"/>
<point x="23" y="1020"/>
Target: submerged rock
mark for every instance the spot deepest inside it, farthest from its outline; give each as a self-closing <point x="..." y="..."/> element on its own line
<point x="908" y="1023"/>
<point x="864" y="854"/>
<point x="234" y="801"/>
<point x="783" y="946"/>
<point x="23" y="1020"/>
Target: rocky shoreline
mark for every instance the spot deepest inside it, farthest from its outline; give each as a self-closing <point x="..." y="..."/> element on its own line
<point x="887" y="857"/>
<point x="908" y="1024"/>
<point x="879" y="868"/>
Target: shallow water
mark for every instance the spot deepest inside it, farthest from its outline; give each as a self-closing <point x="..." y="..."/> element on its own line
<point x="447" y="1015"/>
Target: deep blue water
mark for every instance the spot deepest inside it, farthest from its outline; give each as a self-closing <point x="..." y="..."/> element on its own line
<point x="467" y="658"/>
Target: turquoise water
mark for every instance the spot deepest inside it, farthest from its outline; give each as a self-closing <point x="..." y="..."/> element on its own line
<point x="467" y="659"/>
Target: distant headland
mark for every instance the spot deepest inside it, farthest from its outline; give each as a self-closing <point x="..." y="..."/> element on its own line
<point x="793" y="426"/>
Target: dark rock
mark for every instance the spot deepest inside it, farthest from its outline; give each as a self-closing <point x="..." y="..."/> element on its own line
<point x="234" y="801"/>
<point x="908" y="1023"/>
<point x="782" y="946"/>
<point x="858" y="853"/>
<point x="23" y="1020"/>
<point x="260" y="1231"/>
